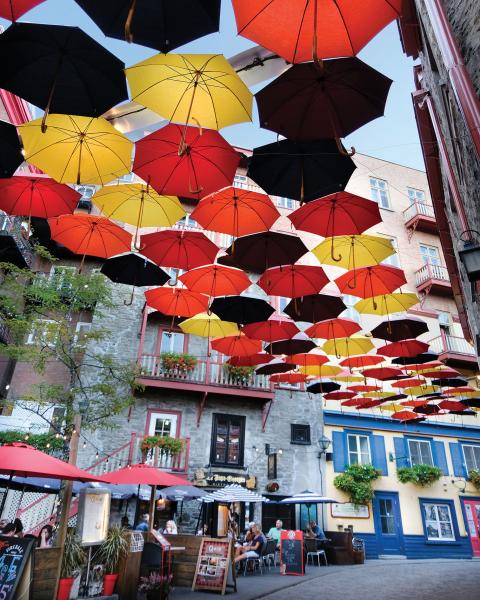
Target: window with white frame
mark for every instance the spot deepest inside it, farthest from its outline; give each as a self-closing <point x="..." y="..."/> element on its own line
<point x="393" y="260"/>
<point x="240" y="181"/>
<point x="379" y="192"/>
<point x="44" y="332"/>
<point x="420" y="452"/>
<point x="81" y="329"/>
<point x="172" y="341"/>
<point x="415" y="195"/>
<point x="283" y="202"/>
<point x="438" y="522"/>
<point x="430" y="255"/>
<point x="471" y="455"/>
<point x="358" y="449"/>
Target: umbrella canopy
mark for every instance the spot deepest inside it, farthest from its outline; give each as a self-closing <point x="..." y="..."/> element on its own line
<point x="357" y="388"/>
<point x="176" y="302"/>
<point x="314" y="307"/>
<point x="11" y="156"/>
<point x="405" y="383"/>
<point x="400" y="328"/>
<point x="179" y="249"/>
<point x="347" y="346"/>
<point x="90" y="235"/>
<point x="14" y="9"/>
<point x="299" y="343"/>
<point x="450" y="381"/>
<point x="185" y="161"/>
<point x="293" y="281"/>
<point x="383" y="373"/>
<point x="324" y="386"/>
<point x="386" y="304"/>
<point x="313" y="101"/>
<point x="182" y="492"/>
<point x="407" y="415"/>
<point x="339" y="395"/>
<point x="191" y="88"/>
<point x="259" y="251"/>
<point x="275" y="366"/>
<point x="233" y="493"/>
<point x="237" y="345"/>
<point x="236" y="212"/>
<point x="215" y="280"/>
<point x="23" y="460"/>
<point x="307" y="497"/>
<point x="242" y="309"/>
<point x="315" y="29"/>
<point x="414" y="361"/>
<point x="61" y="69"/>
<point x="134" y="269"/>
<point x="289" y="377"/>
<point x="361" y="361"/>
<point x="143" y="474"/>
<point x="371" y="281"/>
<point x="36" y="197"/>
<point x="300" y="170"/>
<point x="274" y="329"/>
<point x="403" y="348"/>
<point x="77" y="149"/>
<point x="333" y="328"/>
<point x="163" y="24"/>
<point x="208" y="325"/>
<point x="253" y="360"/>
<point x="353" y="251"/>
<point x="321" y="370"/>
<point x="305" y="359"/>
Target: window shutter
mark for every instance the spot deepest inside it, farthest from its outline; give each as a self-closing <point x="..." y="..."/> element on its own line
<point x="340" y="459"/>
<point x="401" y="452"/>
<point x="439" y="456"/>
<point x="457" y="459"/>
<point x="379" y="457"/>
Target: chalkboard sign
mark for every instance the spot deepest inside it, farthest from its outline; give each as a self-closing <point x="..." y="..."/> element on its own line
<point x="291" y="553"/>
<point x="214" y="566"/>
<point x="14" y="565"/>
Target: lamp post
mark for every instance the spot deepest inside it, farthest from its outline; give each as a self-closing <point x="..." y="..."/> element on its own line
<point x="323" y="444"/>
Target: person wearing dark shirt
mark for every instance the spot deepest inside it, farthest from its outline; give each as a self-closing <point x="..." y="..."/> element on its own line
<point x="254" y="549"/>
<point x="314" y="531"/>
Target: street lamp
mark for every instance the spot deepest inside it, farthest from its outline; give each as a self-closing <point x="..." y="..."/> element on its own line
<point x="324" y="444"/>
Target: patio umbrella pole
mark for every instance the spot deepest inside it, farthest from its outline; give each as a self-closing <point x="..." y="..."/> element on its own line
<point x="4" y="498"/>
<point x="151" y="511"/>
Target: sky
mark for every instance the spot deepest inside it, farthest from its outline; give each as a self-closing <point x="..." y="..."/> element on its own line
<point x="393" y="137"/>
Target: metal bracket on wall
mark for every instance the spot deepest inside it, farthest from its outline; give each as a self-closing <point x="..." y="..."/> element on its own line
<point x="424" y="296"/>
<point x="201" y="407"/>
<point x="267" y="407"/>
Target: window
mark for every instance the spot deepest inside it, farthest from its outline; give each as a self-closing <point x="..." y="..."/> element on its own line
<point x="472" y="457"/>
<point x="272" y="466"/>
<point x="81" y="328"/>
<point x="416" y="195"/>
<point x="387" y="515"/>
<point x="240" y="181"/>
<point x="379" y="192"/>
<point x="285" y="202"/>
<point x="86" y="191"/>
<point x="358" y="449"/>
<point x="172" y="341"/>
<point x="430" y="255"/>
<point x="227" y="440"/>
<point x="393" y="260"/>
<point x="438" y="522"/>
<point x="420" y="452"/>
<point x="300" y="434"/>
<point x="163" y="424"/>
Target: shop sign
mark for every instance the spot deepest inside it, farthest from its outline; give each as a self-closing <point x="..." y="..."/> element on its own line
<point x="215" y="570"/>
<point x="348" y="510"/>
<point x="220" y="480"/>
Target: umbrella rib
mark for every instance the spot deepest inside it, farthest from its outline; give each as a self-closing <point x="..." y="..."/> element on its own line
<point x="225" y="87"/>
<point x="345" y="26"/>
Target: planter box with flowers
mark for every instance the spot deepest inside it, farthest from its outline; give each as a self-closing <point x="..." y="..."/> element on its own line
<point x="155" y="586"/>
<point x="167" y="446"/>
<point x="238" y="375"/>
<point x="177" y="364"/>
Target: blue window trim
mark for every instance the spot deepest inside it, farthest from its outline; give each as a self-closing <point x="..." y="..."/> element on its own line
<point x="368" y="434"/>
<point x="464" y="462"/>
<point x="453" y="513"/>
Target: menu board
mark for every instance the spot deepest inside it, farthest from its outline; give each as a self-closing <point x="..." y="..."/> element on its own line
<point x="93" y="515"/>
<point x="291" y="553"/>
<point x="15" y="566"/>
<point x="214" y="566"/>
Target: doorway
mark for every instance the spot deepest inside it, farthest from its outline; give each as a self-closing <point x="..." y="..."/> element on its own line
<point x="471" y="509"/>
<point x="388" y="523"/>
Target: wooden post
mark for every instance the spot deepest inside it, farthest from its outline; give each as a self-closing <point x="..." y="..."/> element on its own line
<point x="67" y="496"/>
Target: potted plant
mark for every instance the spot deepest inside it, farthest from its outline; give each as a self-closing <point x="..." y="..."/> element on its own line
<point x="421" y="475"/>
<point x="167" y="446"/>
<point x="238" y="375"/>
<point x="155" y="586"/>
<point x="112" y="549"/>
<point x="177" y="364"/>
<point x="474" y="477"/>
<point x="72" y="560"/>
<point x="356" y="482"/>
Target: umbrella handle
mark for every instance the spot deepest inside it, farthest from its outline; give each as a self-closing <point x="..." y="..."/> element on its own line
<point x="131" y="297"/>
<point x="128" y="22"/>
<point x="332" y="248"/>
<point x="342" y="150"/>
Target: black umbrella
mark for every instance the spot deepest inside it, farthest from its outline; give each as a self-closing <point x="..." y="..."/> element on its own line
<point x="299" y="344"/>
<point x="450" y="382"/>
<point x="160" y="24"/>
<point x="10" y="149"/>
<point x="396" y="397"/>
<point x="241" y="309"/>
<point x="330" y="99"/>
<point x="433" y="395"/>
<point x="428" y="409"/>
<point x="276" y="366"/>
<point x="300" y="170"/>
<point x="60" y="69"/>
<point x="313" y="308"/>
<point x="400" y="328"/>
<point x="260" y="251"/>
<point x="420" y="359"/>
<point x="471" y="402"/>
<point x="323" y="387"/>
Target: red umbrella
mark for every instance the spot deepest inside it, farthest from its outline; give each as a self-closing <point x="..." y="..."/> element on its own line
<point x="276" y="328"/>
<point x="176" y="302"/>
<point x="367" y="282"/>
<point x="308" y="359"/>
<point x="405" y="415"/>
<point x="405" y="348"/>
<point x="423" y="366"/>
<point x="253" y="360"/>
<point x="364" y="388"/>
<point x="142" y="474"/>
<point x="362" y="361"/>
<point x="458" y="391"/>
<point x="414" y="403"/>
<point x="216" y="280"/>
<point x="333" y="328"/>
<point x="300" y="30"/>
<point x="293" y="281"/>
<point x="406" y="383"/>
<point x="339" y="395"/>
<point x="288" y="377"/>
<point x="14" y="9"/>
<point x="353" y="402"/>
<point x="371" y="403"/>
<point x="179" y="249"/>
<point x="201" y="166"/>
<point x="383" y="373"/>
<point x="452" y="405"/>
<point x="237" y="345"/>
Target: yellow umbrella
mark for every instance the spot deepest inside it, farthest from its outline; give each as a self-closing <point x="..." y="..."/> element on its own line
<point x="418" y="390"/>
<point x="386" y="304"/>
<point x="390" y="407"/>
<point x="139" y="205"/>
<point x="201" y="89"/>
<point x="208" y="325"/>
<point x="349" y="378"/>
<point x="378" y="394"/>
<point x="320" y="370"/>
<point x="353" y="251"/>
<point x="77" y="149"/>
<point x="348" y="346"/>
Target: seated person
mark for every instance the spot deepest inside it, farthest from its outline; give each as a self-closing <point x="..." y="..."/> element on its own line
<point x="143" y="525"/>
<point x="316" y="532"/>
<point x="274" y="532"/>
<point x="254" y="548"/>
<point x="171" y="528"/>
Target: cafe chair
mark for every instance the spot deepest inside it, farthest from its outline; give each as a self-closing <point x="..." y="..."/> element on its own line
<point x="256" y="562"/>
<point x="268" y="555"/>
<point x="313" y="551"/>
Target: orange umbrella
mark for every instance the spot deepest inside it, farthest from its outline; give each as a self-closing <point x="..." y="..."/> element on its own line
<point x="367" y="282"/>
<point x="414" y="403"/>
<point x="288" y="377"/>
<point x="237" y="345"/>
<point x="405" y="415"/>
<point x="363" y="360"/>
<point x="236" y="212"/>
<point x="216" y="280"/>
<point x="293" y="281"/>
<point x="333" y="328"/>
<point x="176" y="302"/>
<point x="307" y="359"/>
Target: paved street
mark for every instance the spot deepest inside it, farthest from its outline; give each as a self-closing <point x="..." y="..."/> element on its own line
<point x="376" y="580"/>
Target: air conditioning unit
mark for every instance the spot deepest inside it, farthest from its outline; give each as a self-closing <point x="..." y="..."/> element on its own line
<point x="444" y="319"/>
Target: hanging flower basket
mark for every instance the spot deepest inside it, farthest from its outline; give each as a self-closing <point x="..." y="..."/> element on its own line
<point x="167" y="446"/>
<point x="176" y="364"/>
<point x="238" y="375"/>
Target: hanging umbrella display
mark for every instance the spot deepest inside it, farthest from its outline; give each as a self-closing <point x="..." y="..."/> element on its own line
<point x="293" y="281"/>
<point x="253" y="360"/>
<point x="321" y="371"/>
<point x="357" y="388"/>
<point x="179" y="249"/>
<point x="163" y="25"/>
<point x="361" y="361"/>
<point x="176" y="302"/>
<point x="185" y="161"/>
<point x="353" y="251"/>
<point x="208" y="325"/>
<point x="333" y="328"/>
<point x="414" y="361"/>
<point x="236" y="212"/>
<point x="275" y="366"/>
<point x="14" y="9"/>
<point x="405" y="383"/>
<point x="304" y="359"/>
<point x="347" y="346"/>
<point x="315" y="28"/>
<point x="400" y="328"/>
<point x="323" y="386"/>
<point x="406" y="348"/>
<point x="371" y="281"/>
<point x="450" y="381"/>
<point x="302" y="171"/>
<point x="237" y="345"/>
<point x="77" y="149"/>
<point x="383" y="373"/>
<point x="215" y="280"/>
<point x="61" y="69"/>
<point x="289" y="377"/>
<point x="11" y="156"/>
<point x="299" y="343"/>
<point x="314" y="307"/>
<point x="314" y="100"/>
<point x="386" y="304"/>
<point x="200" y="89"/>
<point x="274" y="329"/>
<point x="242" y="309"/>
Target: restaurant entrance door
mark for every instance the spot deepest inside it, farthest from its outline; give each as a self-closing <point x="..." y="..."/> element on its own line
<point x="472" y="517"/>
<point x="388" y="523"/>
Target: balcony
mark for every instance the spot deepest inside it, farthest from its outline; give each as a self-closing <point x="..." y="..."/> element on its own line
<point x="454" y="350"/>
<point x="14" y="247"/>
<point x="433" y="279"/>
<point x="420" y="216"/>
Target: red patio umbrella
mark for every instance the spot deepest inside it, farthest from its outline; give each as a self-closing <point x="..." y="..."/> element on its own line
<point x="367" y="282"/>
<point x="216" y="280"/>
<point x="176" y="302"/>
<point x="293" y="281"/>
<point x="405" y="348"/>
<point x="179" y="249"/>
<point x="202" y="165"/>
<point x="14" y="9"/>
<point x="274" y="329"/>
<point x="333" y="328"/>
<point x="237" y="345"/>
<point x="253" y="360"/>
<point x="362" y="361"/>
<point x="143" y="474"/>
